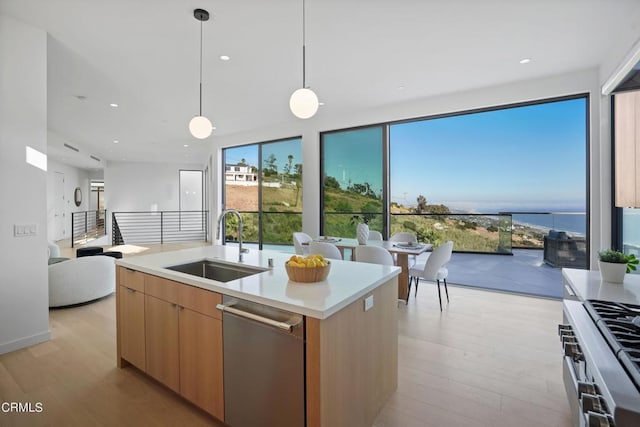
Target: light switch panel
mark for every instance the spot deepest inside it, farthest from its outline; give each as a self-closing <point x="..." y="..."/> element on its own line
<point x="25" y="230"/>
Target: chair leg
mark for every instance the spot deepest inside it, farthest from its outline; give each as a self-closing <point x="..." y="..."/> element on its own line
<point x="445" y="288"/>
<point x="439" y="297"/>
<point x="409" y="290"/>
<point x="416" y="292"/>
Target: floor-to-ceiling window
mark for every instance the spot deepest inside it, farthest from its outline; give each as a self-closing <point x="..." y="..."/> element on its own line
<point x="353" y="168"/>
<point x="263" y="182"/>
<point x="494" y="179"/>
<point x="490" y="180"/>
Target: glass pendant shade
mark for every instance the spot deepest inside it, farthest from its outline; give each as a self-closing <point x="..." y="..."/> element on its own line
<point x="200" y="127"/>
<point x="303" y="103"/>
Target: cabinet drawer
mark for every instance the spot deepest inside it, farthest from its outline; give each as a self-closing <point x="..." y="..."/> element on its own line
<point x="162" y="288"/>
<point x="200" y="300"/>
<point x="131" y="279"/>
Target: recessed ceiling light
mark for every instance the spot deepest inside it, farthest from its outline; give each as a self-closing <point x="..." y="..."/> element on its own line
<point x="225" y="57"/>
<point x="114" y="105"/>
<point x="525" y="60"/>
<point x="115" y="141"/>
<point x="400" y="87"/>
<point x="186" y="145"/>
<point x="321" y="103"/>
<point x="213" y="127"/>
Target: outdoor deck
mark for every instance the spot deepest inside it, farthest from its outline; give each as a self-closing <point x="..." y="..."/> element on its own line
<point x="524" y="272"/>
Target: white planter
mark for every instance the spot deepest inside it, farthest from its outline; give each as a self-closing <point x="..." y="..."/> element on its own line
<point x="362" y="233"/>
<point x="612" y="272"/>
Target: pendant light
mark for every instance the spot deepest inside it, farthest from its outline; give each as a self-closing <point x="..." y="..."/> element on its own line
<point x="200" y="127"/>
<point x="303" y="102"/>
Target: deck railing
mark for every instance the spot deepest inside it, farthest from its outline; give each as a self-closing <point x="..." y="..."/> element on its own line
<point x="478" y="232"/>
<point x="489" y="232"/>
<point x="87" y="226"/>
<point x="159" y="227"/>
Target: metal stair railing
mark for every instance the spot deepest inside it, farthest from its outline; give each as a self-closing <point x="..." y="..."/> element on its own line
<point x="159" y="227"/>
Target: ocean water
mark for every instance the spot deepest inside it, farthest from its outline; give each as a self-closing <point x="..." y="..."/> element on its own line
<point x="571" y="223"/>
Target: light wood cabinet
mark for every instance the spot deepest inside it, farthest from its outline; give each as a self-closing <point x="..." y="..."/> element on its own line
<point x="627" y="149"/>
<point x="162" y="341"/>
<point x="201" y="375"/>
<point x="131" y="331"/>
<point x="173" y="332"/>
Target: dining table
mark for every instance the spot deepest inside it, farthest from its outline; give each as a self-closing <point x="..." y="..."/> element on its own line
<point x="402" y="250"/>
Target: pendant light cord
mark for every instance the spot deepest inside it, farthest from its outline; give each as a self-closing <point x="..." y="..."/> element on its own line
<point x="201" y="68"/>
<point x="304" y="61"/>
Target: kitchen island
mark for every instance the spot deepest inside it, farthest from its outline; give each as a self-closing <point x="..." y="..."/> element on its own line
<point x="169" y="327"/>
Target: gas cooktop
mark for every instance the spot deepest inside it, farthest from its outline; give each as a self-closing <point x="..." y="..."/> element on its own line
<point x="620" y="325"/>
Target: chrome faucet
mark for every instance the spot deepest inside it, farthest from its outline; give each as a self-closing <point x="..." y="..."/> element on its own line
<point x="236" y="213"/>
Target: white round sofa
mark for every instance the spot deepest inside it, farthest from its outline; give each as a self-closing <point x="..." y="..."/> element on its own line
<point x="80" y="280"/>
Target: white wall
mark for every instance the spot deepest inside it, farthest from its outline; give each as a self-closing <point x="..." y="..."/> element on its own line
<point x="130" y="186"/>
<point x="137" y="186"/>
<point x="73" y="177"/>
<point x="24" y="297"/>
<point x="568" y="84"/>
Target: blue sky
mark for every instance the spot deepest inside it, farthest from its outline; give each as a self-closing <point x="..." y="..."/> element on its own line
<point x="280" y="150"/>
<point x="516" y="159"/>
<point x="531" y="157"/>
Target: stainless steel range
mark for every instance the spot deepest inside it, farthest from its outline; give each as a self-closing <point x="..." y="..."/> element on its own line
<point x="601" y="342"/>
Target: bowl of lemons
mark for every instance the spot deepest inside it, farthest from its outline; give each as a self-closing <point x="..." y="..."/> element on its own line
<point x="307" y="269"/>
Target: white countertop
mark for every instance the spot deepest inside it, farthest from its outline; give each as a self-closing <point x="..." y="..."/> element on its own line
<point x="347" y="280"/>
<point x="587" y="284"/>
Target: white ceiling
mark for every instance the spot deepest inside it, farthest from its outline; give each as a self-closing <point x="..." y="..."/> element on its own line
<point x="143" y="55"/>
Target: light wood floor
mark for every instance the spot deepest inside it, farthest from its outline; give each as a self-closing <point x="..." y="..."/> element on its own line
<point x="489" y="359"/>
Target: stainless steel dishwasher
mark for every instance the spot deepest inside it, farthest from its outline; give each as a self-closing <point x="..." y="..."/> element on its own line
<point x="263" y="365"/>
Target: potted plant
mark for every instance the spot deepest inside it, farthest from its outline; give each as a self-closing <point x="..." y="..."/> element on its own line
<point x="614" y="265"/>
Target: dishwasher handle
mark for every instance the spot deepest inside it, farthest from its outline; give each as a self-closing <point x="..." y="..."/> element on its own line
<point x="287" y="326"/>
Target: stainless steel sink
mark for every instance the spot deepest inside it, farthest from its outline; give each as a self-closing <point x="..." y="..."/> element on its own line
<point x="216" y="270"/>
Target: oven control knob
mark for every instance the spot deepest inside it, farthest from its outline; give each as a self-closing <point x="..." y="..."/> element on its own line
<point x="564" y="328"/>
<point x="592" y="403"/>
<point x="599" y="420"/>
<point x="588" y="388"/>
<point x="572" y="350"/>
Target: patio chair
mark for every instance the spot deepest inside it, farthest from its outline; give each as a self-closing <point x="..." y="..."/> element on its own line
<point x="433" y="270"/>
<point x="373" y="255"/>
<point x="299" y="241"/>
<point x="327" y="250"/>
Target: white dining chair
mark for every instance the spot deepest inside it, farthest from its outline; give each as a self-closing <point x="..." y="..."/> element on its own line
<point x="433" y="270"/>
<point x="327" y="250"/>
<point x="374" y="255"/>
<point x="300" y="240"/>
<point x="405" y="237"/>
<point x="375" y="235"/>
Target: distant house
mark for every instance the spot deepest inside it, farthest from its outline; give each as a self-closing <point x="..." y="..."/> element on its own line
<point x="240" y="174"/>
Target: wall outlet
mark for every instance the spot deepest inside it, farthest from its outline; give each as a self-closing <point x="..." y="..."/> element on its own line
<point x="368" y="303"/>
<point x="25" y="230"/>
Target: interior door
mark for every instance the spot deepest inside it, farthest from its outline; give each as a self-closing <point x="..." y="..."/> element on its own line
<point x="59" y="217"/>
